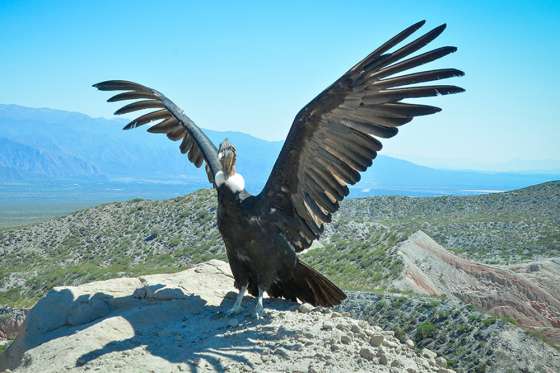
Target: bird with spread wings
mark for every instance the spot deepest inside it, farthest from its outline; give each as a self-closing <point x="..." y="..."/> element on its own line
<point x="332" y="140"/>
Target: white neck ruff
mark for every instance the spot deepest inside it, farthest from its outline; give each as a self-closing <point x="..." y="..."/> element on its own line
<point x="235" y="182"/>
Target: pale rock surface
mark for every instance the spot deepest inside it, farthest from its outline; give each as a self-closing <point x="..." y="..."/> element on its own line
<point x="176" y="322"/>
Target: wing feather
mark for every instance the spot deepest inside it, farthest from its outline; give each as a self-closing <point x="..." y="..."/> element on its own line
<point x="147" y="118"/>
<point x="165" y="126"/>
<point x="172" y="122"/>
<point x="186" y="144"/>
<point x="336" y="136"/>
<point x="139" y="105"/>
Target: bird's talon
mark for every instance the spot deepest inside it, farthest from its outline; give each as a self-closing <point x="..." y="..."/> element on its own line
<point x="259" y="312"/>
<point x="233" y="311"/>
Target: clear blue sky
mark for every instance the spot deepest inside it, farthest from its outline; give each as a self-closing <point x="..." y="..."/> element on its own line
<point x="250" y="66"/>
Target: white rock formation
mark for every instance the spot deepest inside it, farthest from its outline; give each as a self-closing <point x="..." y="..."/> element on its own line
<point x="176" y="322"/>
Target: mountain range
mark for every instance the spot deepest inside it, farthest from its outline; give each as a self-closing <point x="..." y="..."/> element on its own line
<point x="58" y="145"/>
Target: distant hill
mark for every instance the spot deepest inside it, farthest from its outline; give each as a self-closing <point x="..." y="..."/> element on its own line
<point x="58" y="144"/>
<point x="495" y="228"/>
<point x="18" y="161"/>
<point x="121" y="154"/>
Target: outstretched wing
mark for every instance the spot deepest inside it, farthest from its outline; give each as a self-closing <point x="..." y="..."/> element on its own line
<point x="335" y="137"/>
<point x="172" y="121"/>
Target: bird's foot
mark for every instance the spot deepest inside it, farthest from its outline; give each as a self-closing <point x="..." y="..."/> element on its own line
<point x="234" y="310"/>
<point x="237" y="305"/>
<point x="259" y="311"/>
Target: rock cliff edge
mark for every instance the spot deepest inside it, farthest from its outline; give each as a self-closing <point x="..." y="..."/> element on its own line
<point x="176" y="322"/>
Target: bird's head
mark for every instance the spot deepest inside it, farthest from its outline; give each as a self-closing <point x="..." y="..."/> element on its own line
<point x="227" y="154"/>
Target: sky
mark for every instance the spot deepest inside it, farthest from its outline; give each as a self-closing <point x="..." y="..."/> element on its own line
<point x="251" y="66"/>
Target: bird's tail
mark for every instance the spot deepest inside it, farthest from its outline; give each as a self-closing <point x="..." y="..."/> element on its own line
<point x="309" y="286"/>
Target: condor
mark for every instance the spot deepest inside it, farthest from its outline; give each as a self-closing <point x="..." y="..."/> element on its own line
<point x="332" y="140"/>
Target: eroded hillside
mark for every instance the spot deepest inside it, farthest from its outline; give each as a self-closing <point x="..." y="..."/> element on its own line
<point x="496" y="228"/>
<point x="531" y="301"/>
<point x="142" y="237"/>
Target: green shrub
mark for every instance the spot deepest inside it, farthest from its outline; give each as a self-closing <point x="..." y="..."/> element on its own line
<point x="425" y="330"/>
<point x="508" y="319"/>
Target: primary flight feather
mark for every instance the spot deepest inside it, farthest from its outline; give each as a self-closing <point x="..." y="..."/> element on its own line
<point x="332" y="139"/>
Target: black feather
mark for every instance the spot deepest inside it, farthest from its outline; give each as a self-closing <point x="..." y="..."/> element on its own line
<point x="412" y="62"/>
<point x="409" y="48"/>
<point x="147" y="118"/>
<point x="340" y="191"/>
<point x="132" y="96"/>
<point x="403" y="108"/>
<point x="329" y="184"/>
<point x="165" y="126"/>
<point x="176" y="134"/>
<point x="349" y="174"/>
<point x="316" y="190"/>
<point x="315" y="209"/>
<point x="371" y="128"/>
<point x="412" y="92"/>
<point x="186" y="144"/>
<point x="388" y="45"/>
<point x="420" y="77"/>
<point x="139" y="105"/>
<point x="121" y="85"/>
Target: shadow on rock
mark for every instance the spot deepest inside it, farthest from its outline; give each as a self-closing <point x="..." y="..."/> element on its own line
<point x="161" y="319"/>
<point x="191" y="332"/>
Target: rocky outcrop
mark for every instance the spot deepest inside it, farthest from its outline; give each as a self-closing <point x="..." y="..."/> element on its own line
<point x="11" y="320"/>
<point x="518" y="292"/>
<point x="176" y="322"/>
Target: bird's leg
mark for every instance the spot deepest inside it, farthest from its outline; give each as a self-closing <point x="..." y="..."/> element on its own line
<point x="237" y="305"/>
<point x="259" y="309"/>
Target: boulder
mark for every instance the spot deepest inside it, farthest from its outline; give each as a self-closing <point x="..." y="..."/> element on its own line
<point x="178" y="322"/>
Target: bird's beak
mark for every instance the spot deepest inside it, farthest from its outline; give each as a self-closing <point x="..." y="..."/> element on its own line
<point x="227" y="158"/>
